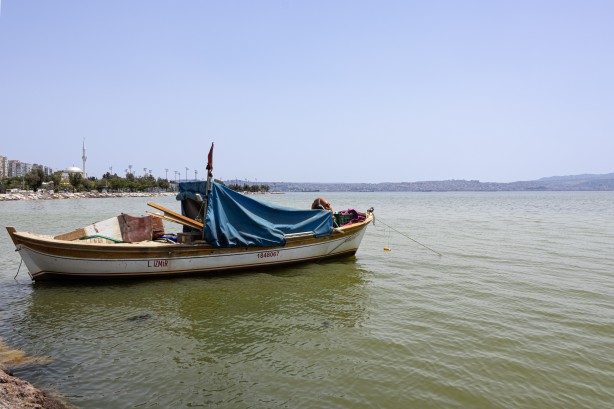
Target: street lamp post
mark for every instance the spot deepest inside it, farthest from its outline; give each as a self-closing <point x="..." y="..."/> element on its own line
<point x="186" y="173"/>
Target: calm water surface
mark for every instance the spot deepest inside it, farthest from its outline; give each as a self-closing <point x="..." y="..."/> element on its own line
<point x="517" y="313"/>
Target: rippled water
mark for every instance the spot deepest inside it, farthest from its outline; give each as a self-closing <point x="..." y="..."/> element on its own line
<point x="517" y="313"/>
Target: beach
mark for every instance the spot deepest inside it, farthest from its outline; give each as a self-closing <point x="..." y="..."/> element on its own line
<point x="78" y="195"/>
<point x="15" y="393"/>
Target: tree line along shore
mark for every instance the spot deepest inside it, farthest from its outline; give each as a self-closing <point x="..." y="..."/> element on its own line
<point x="75" y="182"/>
<point x="36" y="186"/>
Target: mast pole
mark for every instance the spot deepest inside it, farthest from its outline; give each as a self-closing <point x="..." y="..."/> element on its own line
<point x="208" y="186"/>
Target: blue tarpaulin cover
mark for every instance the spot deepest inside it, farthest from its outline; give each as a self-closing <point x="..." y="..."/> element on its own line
<point x="236" y="220"/>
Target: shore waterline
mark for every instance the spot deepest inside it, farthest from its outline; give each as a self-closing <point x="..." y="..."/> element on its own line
<point x="517" y="313"/>
<point x="78" y="195"/>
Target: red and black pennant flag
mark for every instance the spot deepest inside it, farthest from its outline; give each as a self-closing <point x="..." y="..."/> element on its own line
<point x="210" y="161"/>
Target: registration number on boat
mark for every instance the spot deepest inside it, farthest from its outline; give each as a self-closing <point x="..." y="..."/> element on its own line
<point x="267" y="254"/>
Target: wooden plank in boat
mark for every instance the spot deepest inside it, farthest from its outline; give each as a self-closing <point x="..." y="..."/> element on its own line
<point x="108" y="228"/>
<point x="176" y="216"/>
<point x="174" y="220"/>
<point x="72" y="235"/>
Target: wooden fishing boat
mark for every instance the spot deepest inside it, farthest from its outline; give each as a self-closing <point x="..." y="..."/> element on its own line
<point x="49" y="258"/>
<point x="225" y="231"/>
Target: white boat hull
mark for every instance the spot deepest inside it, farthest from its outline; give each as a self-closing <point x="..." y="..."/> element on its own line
<point x="47" y="258"/>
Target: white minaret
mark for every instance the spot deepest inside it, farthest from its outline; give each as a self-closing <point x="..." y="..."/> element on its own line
<point x="84" y="159"/>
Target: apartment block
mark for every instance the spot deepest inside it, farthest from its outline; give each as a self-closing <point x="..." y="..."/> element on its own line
<point x="12" y="168"/>
<point x="4" y="167"/>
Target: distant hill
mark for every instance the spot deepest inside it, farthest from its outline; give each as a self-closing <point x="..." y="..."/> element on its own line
<point x="579" y="182"/>
<point x="575" y="178"/>
<point x="588" y="182"/>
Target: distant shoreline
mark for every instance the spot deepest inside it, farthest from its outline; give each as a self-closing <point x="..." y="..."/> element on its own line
<point x="79" y="195"/>
<point x="7" y="197"/>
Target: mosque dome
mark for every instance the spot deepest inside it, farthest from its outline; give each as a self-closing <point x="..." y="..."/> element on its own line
<point x="73" y="169"/>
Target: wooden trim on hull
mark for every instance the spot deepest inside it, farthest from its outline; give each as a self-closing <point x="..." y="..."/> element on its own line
<point x="76" y="249"/>
<point x="131" y="252"/>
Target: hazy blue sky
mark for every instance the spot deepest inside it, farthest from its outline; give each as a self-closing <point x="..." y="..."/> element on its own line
<point x="322" y="91"/>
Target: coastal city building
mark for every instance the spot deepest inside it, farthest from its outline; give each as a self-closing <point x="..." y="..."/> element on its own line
<point x="72" y="169"/>
<point x="13" y="168"/>
<point x="47" y="171"/>
<point x="65" y="180"/>
<point x="4" y="167"/>
<point x="18" y="168"/>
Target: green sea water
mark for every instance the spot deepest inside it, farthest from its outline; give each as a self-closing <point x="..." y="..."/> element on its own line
<point x="518" y="312"/>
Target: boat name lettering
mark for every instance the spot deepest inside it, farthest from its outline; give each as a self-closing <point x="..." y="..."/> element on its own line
<point x="157" y="263"/>
<point x="266" y="254"/>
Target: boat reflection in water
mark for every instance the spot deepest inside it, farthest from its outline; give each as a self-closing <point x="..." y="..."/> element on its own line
<point x="183" y="341"/>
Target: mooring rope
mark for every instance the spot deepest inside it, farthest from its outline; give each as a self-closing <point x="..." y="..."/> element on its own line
<point x="379" y="219"/>
<point x="18" y="268"/>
